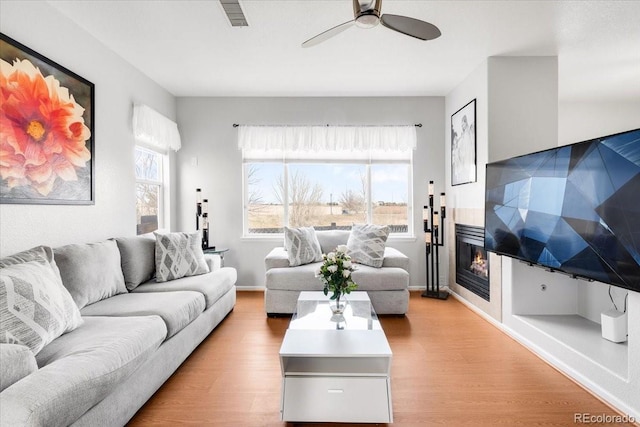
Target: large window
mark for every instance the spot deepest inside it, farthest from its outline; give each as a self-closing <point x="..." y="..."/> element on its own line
<point x="150" y="190"/>
<point x="326" y="195"/>
<point x="295" y="182"/>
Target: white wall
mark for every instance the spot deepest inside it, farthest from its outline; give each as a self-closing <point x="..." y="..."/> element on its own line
<point x="540" y="292"/>
<point x="516" y="113"/>
<point x="514" y="96"/>
<point x="117" y="86"/>
<point x="475" y="86"/>
<point x="208" y="136"/>
<point x="523" y="105"/>
<point x="581" y="121"/>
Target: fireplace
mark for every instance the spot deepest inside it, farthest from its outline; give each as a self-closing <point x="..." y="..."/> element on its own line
<point x="472" y="261"/>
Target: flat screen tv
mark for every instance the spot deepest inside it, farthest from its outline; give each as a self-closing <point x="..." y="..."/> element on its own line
<point x="575" y="209"/>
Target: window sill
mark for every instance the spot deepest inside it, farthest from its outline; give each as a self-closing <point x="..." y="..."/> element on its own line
<point x="279" y="237"/>
<point x="404" y="238"/>
<point x="262" y="238"/>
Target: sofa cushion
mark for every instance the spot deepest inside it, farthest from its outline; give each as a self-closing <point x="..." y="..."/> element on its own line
<point x="395" y="258"/>
<point x="16" y="362"/>
<point x="90" y="271"/>
<point x="35" y="308"/>
<point x="179" y="255"/>
<point x="212" y="285"/>
<point x="366" y="244"/>
<point x="303" y="278"/>
<point x="277" y="258"/>
<point x="376" y="279"/>
<point x="81" y="368"/>
<point x="302" y="245"/>
<point x="330" y="239"/>
<point x="177" y="309"/>
<point x="137" y="258"/>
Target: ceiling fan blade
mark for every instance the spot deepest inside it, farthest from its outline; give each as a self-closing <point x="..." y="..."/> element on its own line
<point x="328" y="34"/>
<point x="411" y="26"/>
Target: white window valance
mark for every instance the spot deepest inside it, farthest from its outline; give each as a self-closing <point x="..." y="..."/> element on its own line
<point x="308" y="141"/>
<point x="155" y="130"/>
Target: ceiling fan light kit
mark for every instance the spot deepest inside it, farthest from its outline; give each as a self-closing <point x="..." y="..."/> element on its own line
<point x="367" y="21"/>
<point x="367" y="15"/>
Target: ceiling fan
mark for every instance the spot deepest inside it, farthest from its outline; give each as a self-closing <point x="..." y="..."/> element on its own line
<point x="367" y="15"/>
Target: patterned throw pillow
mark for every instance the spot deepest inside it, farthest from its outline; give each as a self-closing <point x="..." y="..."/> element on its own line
<point x="40" y="253"/>
<point x="302" y="245"/>
<point x="179" y="255"/>
<point x="366" y="244"/>
<point x="35" y="308"/>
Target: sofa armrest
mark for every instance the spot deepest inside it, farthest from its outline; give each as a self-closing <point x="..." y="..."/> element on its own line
<point x="395" y="258"/>
<point x="277" y="258"/>
<point x="214" y="261"/>
<point x="16" y="362"/>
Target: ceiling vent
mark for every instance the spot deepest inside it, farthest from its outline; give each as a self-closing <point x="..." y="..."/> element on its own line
<point x="234" y="12"/>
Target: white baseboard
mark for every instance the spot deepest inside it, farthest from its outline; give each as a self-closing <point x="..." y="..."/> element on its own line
<point x="567" y="370"/>
<point x="422" y="288"/>
<point x="250" y="288"/>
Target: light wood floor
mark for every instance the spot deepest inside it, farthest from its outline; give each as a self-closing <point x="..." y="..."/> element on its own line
<point x="450" y="368"/>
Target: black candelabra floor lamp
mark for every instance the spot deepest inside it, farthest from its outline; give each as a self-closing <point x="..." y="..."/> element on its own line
<point x="433" y="241"/>
<point x="202" y="217"/>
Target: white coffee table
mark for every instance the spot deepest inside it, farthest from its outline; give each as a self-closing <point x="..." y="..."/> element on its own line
<point x="335" y="369"/>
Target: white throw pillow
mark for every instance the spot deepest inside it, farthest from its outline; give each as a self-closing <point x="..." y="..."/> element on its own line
<point x="35" y="308"/>
<point x="302" y="245"/>
<point x="366" y="244"/>
<point x="179" y="255"/>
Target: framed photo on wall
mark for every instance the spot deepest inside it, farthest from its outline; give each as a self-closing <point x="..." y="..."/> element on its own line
<point x="47" y="138"/>
<point x="463" y="145"/>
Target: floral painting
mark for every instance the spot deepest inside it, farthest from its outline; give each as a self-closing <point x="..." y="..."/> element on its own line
<point x="46" y="118"/>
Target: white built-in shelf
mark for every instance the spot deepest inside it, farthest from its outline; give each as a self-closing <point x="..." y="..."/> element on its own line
<point x="584" y="337"/>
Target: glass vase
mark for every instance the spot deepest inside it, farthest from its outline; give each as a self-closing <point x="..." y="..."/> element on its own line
<point x="338" y="305"/>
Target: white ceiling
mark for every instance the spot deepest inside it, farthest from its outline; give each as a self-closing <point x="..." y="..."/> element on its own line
<point x="189" y="48"/>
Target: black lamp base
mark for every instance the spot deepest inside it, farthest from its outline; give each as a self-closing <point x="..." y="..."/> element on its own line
<point x="436" y="295"/>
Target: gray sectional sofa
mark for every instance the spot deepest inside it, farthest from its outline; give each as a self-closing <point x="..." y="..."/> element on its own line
<point x="388" y="286"/>
<point x="134" y="334"/>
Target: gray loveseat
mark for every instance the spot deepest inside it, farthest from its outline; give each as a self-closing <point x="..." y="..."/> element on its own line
<point x="388" y="286"/>
<point x="134" y="334"/>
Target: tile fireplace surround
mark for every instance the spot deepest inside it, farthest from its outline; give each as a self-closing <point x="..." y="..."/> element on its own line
<point x="493" y="307"/>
